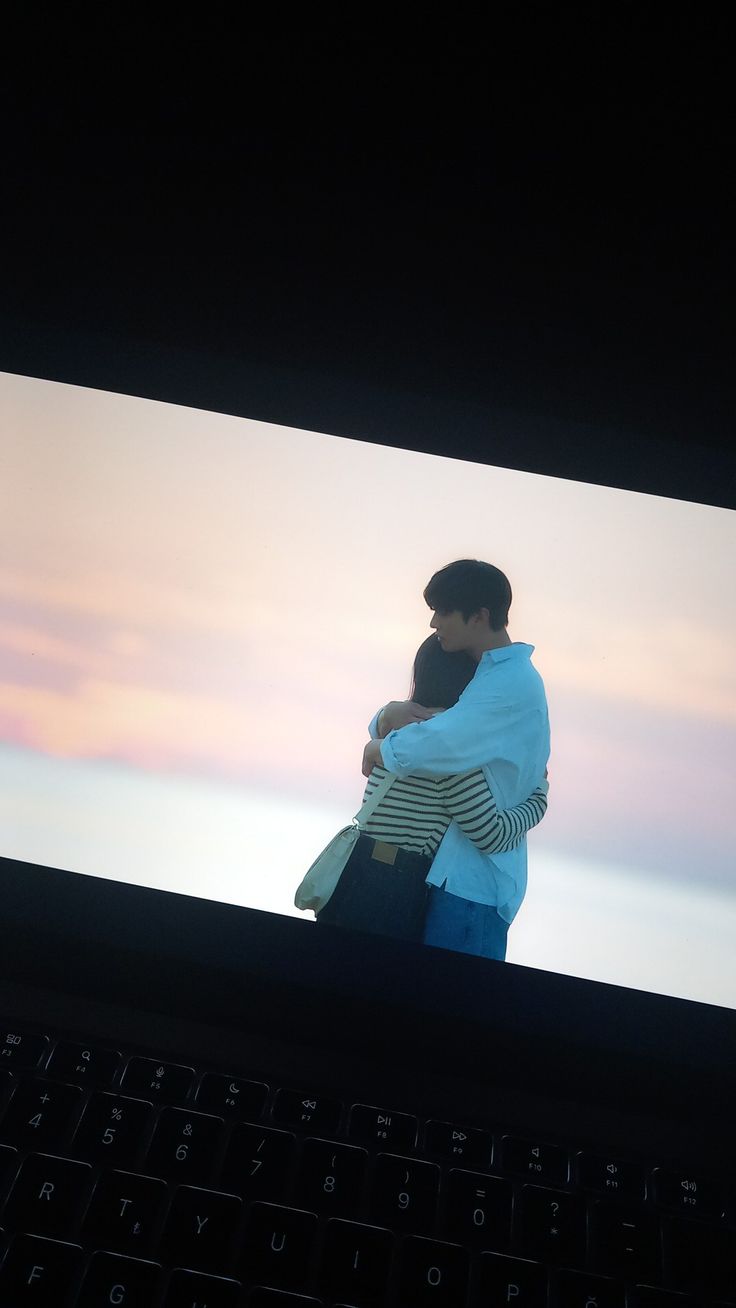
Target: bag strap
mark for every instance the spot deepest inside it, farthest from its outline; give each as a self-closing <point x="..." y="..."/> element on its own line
<point x="374" y="799"/>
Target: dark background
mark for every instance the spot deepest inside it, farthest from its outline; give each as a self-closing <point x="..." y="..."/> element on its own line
<point x="529" y="229"/>
<point x="515" y="246"/>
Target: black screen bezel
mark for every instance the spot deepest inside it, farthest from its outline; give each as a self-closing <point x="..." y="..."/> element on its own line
<point x="146" y="947"/>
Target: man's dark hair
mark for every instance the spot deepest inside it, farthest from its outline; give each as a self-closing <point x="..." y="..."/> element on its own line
<point x="439" y="678"/>
<point x="468" y="586"/>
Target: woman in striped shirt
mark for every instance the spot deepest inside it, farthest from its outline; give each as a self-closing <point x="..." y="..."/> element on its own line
<point x="383" y="886"/>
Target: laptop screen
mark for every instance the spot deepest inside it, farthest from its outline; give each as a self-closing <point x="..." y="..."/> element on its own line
<point x="200" y="615"/>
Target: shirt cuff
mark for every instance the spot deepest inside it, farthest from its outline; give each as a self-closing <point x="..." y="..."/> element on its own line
<point x="373" y="725"/>
<point x="390" y="761"/>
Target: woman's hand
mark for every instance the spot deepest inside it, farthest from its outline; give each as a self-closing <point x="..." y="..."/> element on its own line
<point x="372" y="757"/>
<point x="400" y="712"/>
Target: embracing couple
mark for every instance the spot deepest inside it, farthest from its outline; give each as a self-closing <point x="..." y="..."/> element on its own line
<point x="456" y="778"/>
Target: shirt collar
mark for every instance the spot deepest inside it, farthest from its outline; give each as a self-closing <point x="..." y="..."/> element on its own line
<point x="516" y="650"/>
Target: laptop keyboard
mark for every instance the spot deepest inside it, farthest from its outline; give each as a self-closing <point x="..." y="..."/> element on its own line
<point x="140" y="1182"/>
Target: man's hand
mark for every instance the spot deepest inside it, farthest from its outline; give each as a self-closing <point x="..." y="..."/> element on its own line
<point x="372" y="757"/>
<point x="399" y="713"/>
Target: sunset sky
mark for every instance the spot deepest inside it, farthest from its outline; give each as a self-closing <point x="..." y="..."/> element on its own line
<point x="200" y="596"/>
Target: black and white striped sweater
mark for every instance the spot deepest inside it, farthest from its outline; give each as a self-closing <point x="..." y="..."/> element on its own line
<point x="416" y="812"/>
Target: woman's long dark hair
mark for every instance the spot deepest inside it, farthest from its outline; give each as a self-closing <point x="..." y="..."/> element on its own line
<point x="439" y="679"/>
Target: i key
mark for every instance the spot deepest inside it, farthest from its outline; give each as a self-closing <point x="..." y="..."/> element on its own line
<point x="355" y="1262"/>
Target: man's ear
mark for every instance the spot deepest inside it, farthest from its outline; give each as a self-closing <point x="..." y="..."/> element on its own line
<point x="483" y="616"/>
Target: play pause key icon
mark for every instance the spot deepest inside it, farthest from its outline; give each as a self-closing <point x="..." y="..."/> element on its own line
<point x="382" y="1126"/>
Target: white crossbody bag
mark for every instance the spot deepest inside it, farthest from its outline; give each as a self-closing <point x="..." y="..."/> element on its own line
<point x="321" y="879"/>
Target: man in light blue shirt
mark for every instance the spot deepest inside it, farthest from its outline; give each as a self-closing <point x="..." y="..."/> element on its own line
<point x="500" y="723"/>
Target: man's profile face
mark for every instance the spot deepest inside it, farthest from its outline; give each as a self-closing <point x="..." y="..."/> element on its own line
<point x="453" y="632"/>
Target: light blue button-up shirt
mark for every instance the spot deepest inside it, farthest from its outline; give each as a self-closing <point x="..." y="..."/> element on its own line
<point x="500" y="723"/>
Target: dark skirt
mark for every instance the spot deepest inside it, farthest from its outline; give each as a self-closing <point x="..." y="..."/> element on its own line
<point x="383" y="898"/>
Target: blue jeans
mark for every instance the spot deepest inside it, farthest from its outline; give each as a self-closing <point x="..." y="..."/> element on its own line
<point x="460" y="924"/>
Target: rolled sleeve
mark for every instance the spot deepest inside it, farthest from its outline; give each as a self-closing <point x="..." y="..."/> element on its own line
<point x="454" y="741"/>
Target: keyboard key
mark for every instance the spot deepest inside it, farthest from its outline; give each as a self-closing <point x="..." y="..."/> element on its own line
<point x="200" y="1229"/>
<point x="84" y="1065"/>
<point x="274" y="1299"/>
<point x="689" y="1192"/>
<point x="8" y="1167"/>
<point x="551" y="1226"/>
<point x="184" y="1146"/>
<point x="47" y="1196"/>
<point x="231" y="1096"/>
<point x="258" y="1162"/>
<point x="192" y="1290"/>
<point x="580" y="1290"/>
<point x="310" y="1112"/>
<point x="39" y="1272"/>
<point x="624" y="1241"/>
<point x="404" y="1194"/>
<point x="355" y="1262"/>
<point x="698" y="1257"/>
<point x="277" y="1245"/>
<point x="40" y="1115"/>
<point x="534" y="1160"/>
<point x="512" y="1281"/>
<point x="462" y="1145"/>
<point x="124" y="1213"/>
<point x="476" y="1211"/>
<point x="113" y="1129"/>
<point x="604" y="1175"/>
<point x="379" y="1126"/>
<point x="331" y="1178"/>
<point x="645" y="1296"/>
<point x="114" y="1280"/>
<point x="432" y="1274"/>
<point x="21" y="1050"/>
<point x="7" y="1083"/>
<point x="148" y="1079"/>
